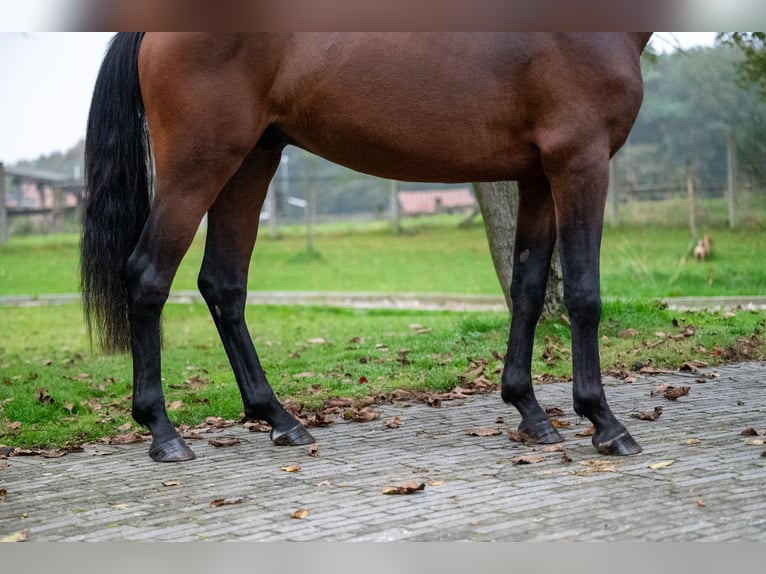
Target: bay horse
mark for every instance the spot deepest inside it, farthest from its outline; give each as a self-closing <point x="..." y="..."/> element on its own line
<point x="187" y="124"/>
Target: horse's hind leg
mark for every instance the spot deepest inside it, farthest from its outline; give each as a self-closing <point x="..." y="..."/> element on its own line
<point x="533" y="247"/>
<point x="231" y="234"/>
<point x="579" y="183"/>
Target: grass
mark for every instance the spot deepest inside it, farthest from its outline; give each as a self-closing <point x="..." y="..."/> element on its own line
<point x="59" y="391"/>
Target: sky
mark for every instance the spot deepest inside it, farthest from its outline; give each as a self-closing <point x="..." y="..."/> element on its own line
<point x="47" y="80"/>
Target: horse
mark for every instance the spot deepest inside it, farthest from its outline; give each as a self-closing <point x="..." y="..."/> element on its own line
<point x="187" y="124"/>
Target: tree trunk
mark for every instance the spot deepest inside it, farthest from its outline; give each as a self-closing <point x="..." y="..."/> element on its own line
<point x="498" y="202"/>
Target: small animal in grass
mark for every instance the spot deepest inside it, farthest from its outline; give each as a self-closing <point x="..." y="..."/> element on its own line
<point x="703" y="249"/>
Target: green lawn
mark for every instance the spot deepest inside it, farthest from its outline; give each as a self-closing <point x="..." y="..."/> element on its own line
<point x="635" y="262"/>
<point x="59" y="391"/>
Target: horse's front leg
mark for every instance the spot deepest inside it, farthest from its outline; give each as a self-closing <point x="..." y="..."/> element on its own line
<point x="579" y="185"/>
<point x="533" y="247"/>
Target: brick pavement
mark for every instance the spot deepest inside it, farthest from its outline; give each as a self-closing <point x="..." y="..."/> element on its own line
<point x="712" y="491"/>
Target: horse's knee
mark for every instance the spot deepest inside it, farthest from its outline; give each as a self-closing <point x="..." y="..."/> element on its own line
<point x="584" y="306"/>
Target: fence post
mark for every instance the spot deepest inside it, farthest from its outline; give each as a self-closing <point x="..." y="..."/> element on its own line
<point x="3" y="211"/>
<point x="396" y="226"/>
<point x="731" y="173"/>
<point x="690" y="195"/>
<point x="611" y="195"/>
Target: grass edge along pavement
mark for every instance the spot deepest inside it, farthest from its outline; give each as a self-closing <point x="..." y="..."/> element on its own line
<point x="313" y="355"/>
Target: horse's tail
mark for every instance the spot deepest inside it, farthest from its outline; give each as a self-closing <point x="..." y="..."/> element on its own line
<point x="118" y="188"/>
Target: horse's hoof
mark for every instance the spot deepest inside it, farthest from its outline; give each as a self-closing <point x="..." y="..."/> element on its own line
<point x="542" y="432"/>
<point x="173" y="450"/>
<point x="295" y="436"/>
<point x="621" y="445"/>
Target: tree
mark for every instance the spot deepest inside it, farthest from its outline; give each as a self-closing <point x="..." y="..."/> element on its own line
<point x="498" y="202"/>
<point x="752" y="70"/>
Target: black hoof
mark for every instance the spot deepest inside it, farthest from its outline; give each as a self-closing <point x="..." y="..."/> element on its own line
<point x="174" y="450"/>
<point x="621" y="445"/>
<point x="295" y="436"/>
<point x="542" y="432"/>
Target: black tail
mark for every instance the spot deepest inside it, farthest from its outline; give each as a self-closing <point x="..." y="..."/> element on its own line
<point x="118" y="187"/>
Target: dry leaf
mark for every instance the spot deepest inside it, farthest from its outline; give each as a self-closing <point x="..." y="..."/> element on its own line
<point x="700" y="503"/>
<point x="304" y="375"/>
<point x="554" y="412"/>
<point x="292" y="468"/>
<point x="227" y="441"/>
<point x="300" y="513"/>
<point x="565" y="458"/>
<point x="121" y="506"/>
<point x="673" y="393"/>
<point x="750" y="431"/>
<point x="44" y="397"/>
<point x="515" y="435"/>
<point x="483" y="431"/>
<point x="559" y="424"/>
<point x="226" y="501"/>
<point x="394" y="423"/>
<point x="171" y="483"/>
<point x="648" y="415"/>
<point x="590" y="431"/>
<point x="528" y="459"/>
<point x="257" y="426"/>
<point x="552" y="447"/>
<point x="626" y="333"/>
<point x="436" y="483"/>
<point x="314" y="450"/>
<point x="692" y="441"/>
<point x="409" y="488"/>
<point x="661" y="464"/>
<point x="596" y="466"/>
<point x="13" y="426"/>
<point x="20" y="536"/>
<point x="692" y="366"/>
<point x="130" y="438"/>
<point x="754" y="441"/>
<point x="125" y="427"/>
<point x="176" y="405"/>
<point x="363" y="415"/>
<point x="3" y="493"/>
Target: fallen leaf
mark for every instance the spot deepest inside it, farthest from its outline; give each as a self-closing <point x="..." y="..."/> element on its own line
<point x="316" y="341"/>
<point x="304" y="375"/>
<point x="95" y="405"/>
<point x="176" y="406"/>
<point x="81" y="377"/>
<point x="590" y="431"/>
<point x="515" y="435"/>
<point x="300" y="513"/>
<point x="596" y="466"/>
<point x="754" y="441"/>
<point x="3" y="493"/>
<point x="527" y="459"/>
<point x="483" y="431"/>
<point x="125" y="427"/>
<point x="226" y="501"/>
<point x="661" y="464"/>
<point x="121" y="506"/>
<point x="257" y="426"/>
<point x="44" y="396"/>
<point x="314" y="450"/>
<point x="20" y="536"/>
<point x="292" y="468"/>
<point x="673" y="393"/>
<point x="409" y="488"/>
<point x="647" y="415"/>
<point x="626" y="333"/>
<point x="554" y="412"/>
<point x="700" y="503"/>
<point x="226" y="441"/>
<point x="559" y="424"/>
<point x="691" y="441"/>
<point x="436" y="483"/>
<point x="751" y="431"/>
<point x="552" y="447"/>
<point x="171" y="483"/>
<point x="129" y="438"/>
<point x="394" y="423"/>
<point x="565" y="458"/>
<point x="363" y="415"/>
<point x="13" y="426"/>
<point x="692" y="366"/>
